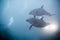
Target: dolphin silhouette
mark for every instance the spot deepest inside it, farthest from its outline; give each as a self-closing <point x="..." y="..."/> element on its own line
<point x="40" y="23"/>
<point x="40" y="12"/>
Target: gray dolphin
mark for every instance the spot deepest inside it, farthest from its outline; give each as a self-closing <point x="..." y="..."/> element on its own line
<point x="37" y="22"/>
<point x="40" y="12"/>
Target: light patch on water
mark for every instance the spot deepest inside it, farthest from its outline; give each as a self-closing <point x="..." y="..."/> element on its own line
<point x="11" y="20"/>
<point x="50" y="29"/>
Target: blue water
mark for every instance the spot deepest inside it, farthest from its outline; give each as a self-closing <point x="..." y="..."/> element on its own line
<point x="14" y="14"/>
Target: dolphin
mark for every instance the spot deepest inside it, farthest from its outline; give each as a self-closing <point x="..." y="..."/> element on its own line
<point x="40" y="23"/>
<point x="40" y="12"/>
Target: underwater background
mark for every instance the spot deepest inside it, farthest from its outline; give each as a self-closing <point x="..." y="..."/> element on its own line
<point x="13" y="16"/>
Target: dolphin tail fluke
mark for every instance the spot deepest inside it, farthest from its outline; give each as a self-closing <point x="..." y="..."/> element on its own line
<point x="30" y="27"/>
<point x="53" y="14"/>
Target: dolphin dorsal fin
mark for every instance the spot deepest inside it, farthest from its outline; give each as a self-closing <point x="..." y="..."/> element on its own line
<point x="42" y="6"/>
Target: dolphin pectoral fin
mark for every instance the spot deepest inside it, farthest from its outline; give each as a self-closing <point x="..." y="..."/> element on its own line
<point x="42" y="18"/>
<point x="34" y="16"/>
<point x="30" y="27"/>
